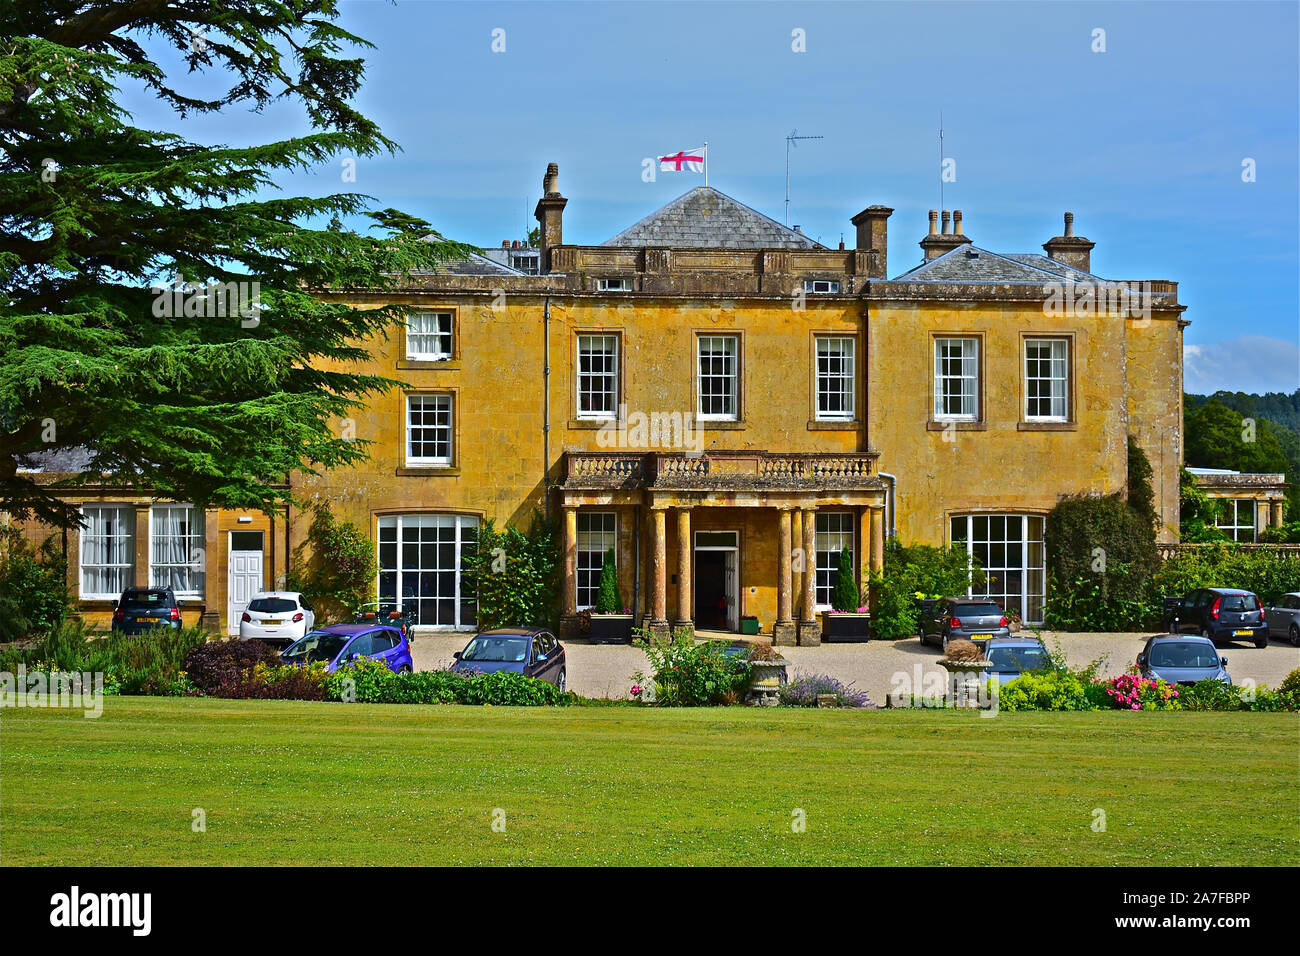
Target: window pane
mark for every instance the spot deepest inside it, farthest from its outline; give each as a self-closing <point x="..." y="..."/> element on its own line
<point x="107" y="550"/>
<point x="956" y="375"/>
<point x="717" y="376"/>
<point x="835" y="378"/>
<point x="597" y="534"/>
<point x="834" y="532"/>
<point x="597" y="375"/>
<point x="429" y="429"/>
<point x="424" y="573"/>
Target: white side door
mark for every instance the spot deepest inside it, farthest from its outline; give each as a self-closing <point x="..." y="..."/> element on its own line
<point x="245" y="580"/>
<point x="732" y="591"/>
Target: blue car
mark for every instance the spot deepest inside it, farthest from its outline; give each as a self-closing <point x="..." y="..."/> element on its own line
<point x="1012" y="656"/>
<point x="531" y="651"/>
<point x="1182" y="659"/>
<point x="339" y="644"/>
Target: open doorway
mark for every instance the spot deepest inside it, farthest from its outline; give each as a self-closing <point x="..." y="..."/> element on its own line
<point x="717" y="605"/>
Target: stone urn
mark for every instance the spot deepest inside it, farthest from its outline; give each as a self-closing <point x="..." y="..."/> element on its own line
<point x="964" y="662"/>
<point x="765" y="682"/>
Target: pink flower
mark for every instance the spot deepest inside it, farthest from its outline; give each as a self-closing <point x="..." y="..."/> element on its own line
<point x="1137" y="707"/>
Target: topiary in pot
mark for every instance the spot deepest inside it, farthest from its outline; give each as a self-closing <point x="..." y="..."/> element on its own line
<point x="608" y="600"/>
<point x="609" y="620"/>
<point x="846" y="621"/>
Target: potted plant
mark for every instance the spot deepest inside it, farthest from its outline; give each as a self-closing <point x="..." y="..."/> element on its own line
<point x="847" y="621"/>
<point x="766" y="675"/>
<point x="611" y="623"/>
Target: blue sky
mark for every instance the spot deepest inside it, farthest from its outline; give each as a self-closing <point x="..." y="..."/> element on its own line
<point x="1144" y="142"/>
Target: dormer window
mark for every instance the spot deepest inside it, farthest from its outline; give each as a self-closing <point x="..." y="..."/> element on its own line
<point x="613" y="285"/>
<point x="821" y="286"/>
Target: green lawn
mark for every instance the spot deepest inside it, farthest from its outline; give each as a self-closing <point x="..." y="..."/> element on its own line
<point x="295" y="782"/>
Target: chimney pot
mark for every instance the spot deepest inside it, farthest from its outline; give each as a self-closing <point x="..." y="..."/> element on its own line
<point x="956" y="222"/>
<point x="505" y="243"/>
<point x="1069" y="224"/>
<point x="550" y="215"/>
<point x="934" y="222"/>
<point x="947" y="223"/>
<point x="1073" y="250"/>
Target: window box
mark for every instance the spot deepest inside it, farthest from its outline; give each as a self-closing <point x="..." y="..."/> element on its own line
<point x="845" y="627"/>
<point x="611" y="628"/>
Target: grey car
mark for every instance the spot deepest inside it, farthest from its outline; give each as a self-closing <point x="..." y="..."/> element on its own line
<point x="963" y="619"/>
<point x="1012" y="656"/>
<point x="1182" y="659"/>
<point x="1283" y="618"/>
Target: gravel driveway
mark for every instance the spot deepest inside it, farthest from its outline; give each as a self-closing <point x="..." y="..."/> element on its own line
<point x="605" y="670"/>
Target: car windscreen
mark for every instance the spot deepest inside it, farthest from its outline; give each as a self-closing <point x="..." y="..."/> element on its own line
<point x="1184" y="654"/>
<point x="272" y="605"/>
<point x="1239" y="602"/>
<point x="143" y="600"/>
<point x="977" y="610"/>
<point x="1017" y="658"/>
<point x="316" y="646"/>
<point x="497" y="649"/>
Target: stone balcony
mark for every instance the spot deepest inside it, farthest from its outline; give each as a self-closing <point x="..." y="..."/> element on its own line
<point x="722" y="470"/>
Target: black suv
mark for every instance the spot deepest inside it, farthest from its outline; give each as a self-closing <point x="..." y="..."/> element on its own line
<point x="1221" y="614"/>
<point x="140" y="609"/>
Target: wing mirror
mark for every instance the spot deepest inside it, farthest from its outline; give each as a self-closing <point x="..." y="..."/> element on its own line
<point x="1223" y="661"/>
<point x="1142" y="658"/>
<point x="456" y="655"/>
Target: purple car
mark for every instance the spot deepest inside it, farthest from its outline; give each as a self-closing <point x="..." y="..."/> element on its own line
<point x="338" y="644"/>
<point x="531" y="651"/>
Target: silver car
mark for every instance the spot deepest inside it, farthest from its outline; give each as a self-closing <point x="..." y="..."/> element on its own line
<point x="1283" y="618"/>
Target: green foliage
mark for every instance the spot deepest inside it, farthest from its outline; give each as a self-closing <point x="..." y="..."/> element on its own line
<point x="1211" y="695"/>
<point x="844" y="593"/>
<point x="33" y="585"/>
<point x="1267" y="572"/>
<point x="1288" y="533"/>
<point x="1046" y="690"/>
<point x="1141" y="497"/>
<point x="215" y="403"/>
<point x="514" y="576"/>
<point x="1101" y="555"/>
<point x="1281" y="413"/>
<point x="371" y="682"/>
<point x="914" y="572"/>
<point x="608" y="598"/>
<point x="1197" y="512"/>
<point x="690" y="673"/>
<point x="339" y="575"/>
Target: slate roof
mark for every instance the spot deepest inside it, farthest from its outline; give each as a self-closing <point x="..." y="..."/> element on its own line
<point x="474" y="265"/>
<point x="969" y="263"/>
<point x="56" y="461"/>
<point x="707" y="219"/>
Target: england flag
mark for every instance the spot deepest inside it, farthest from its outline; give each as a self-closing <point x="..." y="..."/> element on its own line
<point x="691" y="160"/>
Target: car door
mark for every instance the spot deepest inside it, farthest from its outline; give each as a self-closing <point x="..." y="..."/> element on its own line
<point x="1190" y="620"/>
<point x="358" y="646"/>
<point x="553" y="663"/>
<point x="536" y="659"/>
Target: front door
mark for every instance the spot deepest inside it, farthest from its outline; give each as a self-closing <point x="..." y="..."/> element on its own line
<point x="717" y="604"/>
<point x="244" y="578"/>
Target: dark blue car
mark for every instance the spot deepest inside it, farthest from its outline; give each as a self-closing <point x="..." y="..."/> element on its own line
<point x="1182" y="659"/>
<point x="531" y="651"/>
<point x="339" y="644"/>
<point x="142" y="609"/>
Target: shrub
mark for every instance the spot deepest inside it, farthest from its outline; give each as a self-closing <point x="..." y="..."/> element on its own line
<point x="1141" y="497"/>
<point x="371" y="682"/>
<point x="339" y="574"/>
<point x="514" y="576"/>
<point x="913" y="572"/>
<point x="1046" y="690"/>
<point x="608" y="600"/>
<point x="33" y="585"/>
<point x="687" y="673"/>
<point x="1210" y="695"/>
<point x="844" y="593"/>
<point x="803" y="691"/>
<point x="963" y="651"/>
<point x="1288" y="533"/>
<point x="226" y="668"/>
<point x="1290" y="690"/>
<point x="1130" y="692"/>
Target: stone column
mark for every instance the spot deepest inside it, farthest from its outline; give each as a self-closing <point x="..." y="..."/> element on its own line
<point x="569" y="618"/>
<point x="684" y="609"/>
<point x="799" y="565"/>
<point x="877" y="538"/>
<point x="1277" y="513"/>
<point x="866" y="556"/>
<point x="659" y="568"/>
<point x="783" y="631"/>
<point x="810" y="633"/>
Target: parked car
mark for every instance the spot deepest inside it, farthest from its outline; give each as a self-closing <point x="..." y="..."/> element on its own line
<point x="1182" y="659"/>
<point x="1283" y="618"/>
<point x="1012" y="656"/>
<point x="339" y="644"/>
<point x="963" y="619"/>
<point x="277" y="617"/>
<point x="140" y="609"/>
<point x="531" y="651"/>
<point x="1218" y="614"/>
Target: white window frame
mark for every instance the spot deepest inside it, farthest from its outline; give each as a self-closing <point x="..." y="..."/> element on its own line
<point x="1057" y="378"/>
<point x="731" y="376"/>
<point x="969" y="373"/>
<point x="589" y="377"/>
<point x="847" y="377"/>
<point x="833" y="531"/>
<point x="1233" y="527"/>
<point x="423" y="399"/>
<point x="390" y="531"/>
<point x="598" y="531"/>
<point x="1027" y="601"/>
<point x="614" y="284"/>
<point x="125" y="568"/>
<point x="194" y="548"/>
<point x="419" y="338"/>
<point x="821" y="286"/>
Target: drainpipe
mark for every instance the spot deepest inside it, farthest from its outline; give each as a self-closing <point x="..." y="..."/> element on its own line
<point x="893" y="503"/>
<point x="546" y="406"/>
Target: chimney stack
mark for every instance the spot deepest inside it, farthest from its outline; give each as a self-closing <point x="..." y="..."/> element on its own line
<point x="1073" y="250"/>
<point x="550" y="215"/>
<point x="873" y="238"/>
<point x="937" y="243"/>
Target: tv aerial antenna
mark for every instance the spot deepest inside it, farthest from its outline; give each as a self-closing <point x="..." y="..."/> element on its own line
<point x="791" y="140"/>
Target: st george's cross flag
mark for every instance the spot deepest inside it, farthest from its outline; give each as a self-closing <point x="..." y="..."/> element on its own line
<point x="691" y="160"/>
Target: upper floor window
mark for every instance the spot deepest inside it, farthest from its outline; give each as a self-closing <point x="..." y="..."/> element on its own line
<point x="428" y="429"/>
<point x="822" y="286"/>
<point x="176" y="546"/>
<point x="718" y="383"/>
<point x="835" y="378"/>
<point x="956" y="378"/>
<point x="428" y="336"/>
<point x="107" y="550"/>
<point x="1047" y="380"/>
<point x="597" y="376"/>
<point x="613" y="285"/>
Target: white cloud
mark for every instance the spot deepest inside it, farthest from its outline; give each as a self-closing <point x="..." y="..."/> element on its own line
<point x="1248" y="363"/>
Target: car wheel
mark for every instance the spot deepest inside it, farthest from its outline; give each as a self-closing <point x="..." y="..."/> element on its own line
<point x="404" y="669"/>
<point x="1295" y="636"/>
<point x="944" y="644"/>
<point x="562" y="682"/>
<point x="1262" y="642"/>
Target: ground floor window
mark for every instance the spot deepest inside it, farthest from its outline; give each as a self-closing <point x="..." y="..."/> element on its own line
<point x="1010" y="550"/>
<point x="597" y="533"/>
<point x="107" y="550"/>
<point x="834" y="534"/>
<point x="421" y="558"/>
<point x="176" y="547"/>
<point x="1236" y="518"/>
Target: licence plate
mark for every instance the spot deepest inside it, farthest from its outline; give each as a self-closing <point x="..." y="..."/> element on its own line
<point x="981" y="637"/>
<point x="269" y="623"/>
<point x="1242" y="633"/>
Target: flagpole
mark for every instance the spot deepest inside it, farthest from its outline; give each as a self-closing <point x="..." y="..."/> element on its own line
<point x="706" y="162"/>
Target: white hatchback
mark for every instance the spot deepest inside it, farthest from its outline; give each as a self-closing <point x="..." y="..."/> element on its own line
<point x="280" y="617"/>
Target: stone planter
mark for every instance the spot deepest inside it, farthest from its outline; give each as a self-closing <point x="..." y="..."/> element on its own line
<point x="611" y="629"/>
<point x="765" y="679"/>
<point x="964" y="681"/>
<point x="845" y="628"/>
